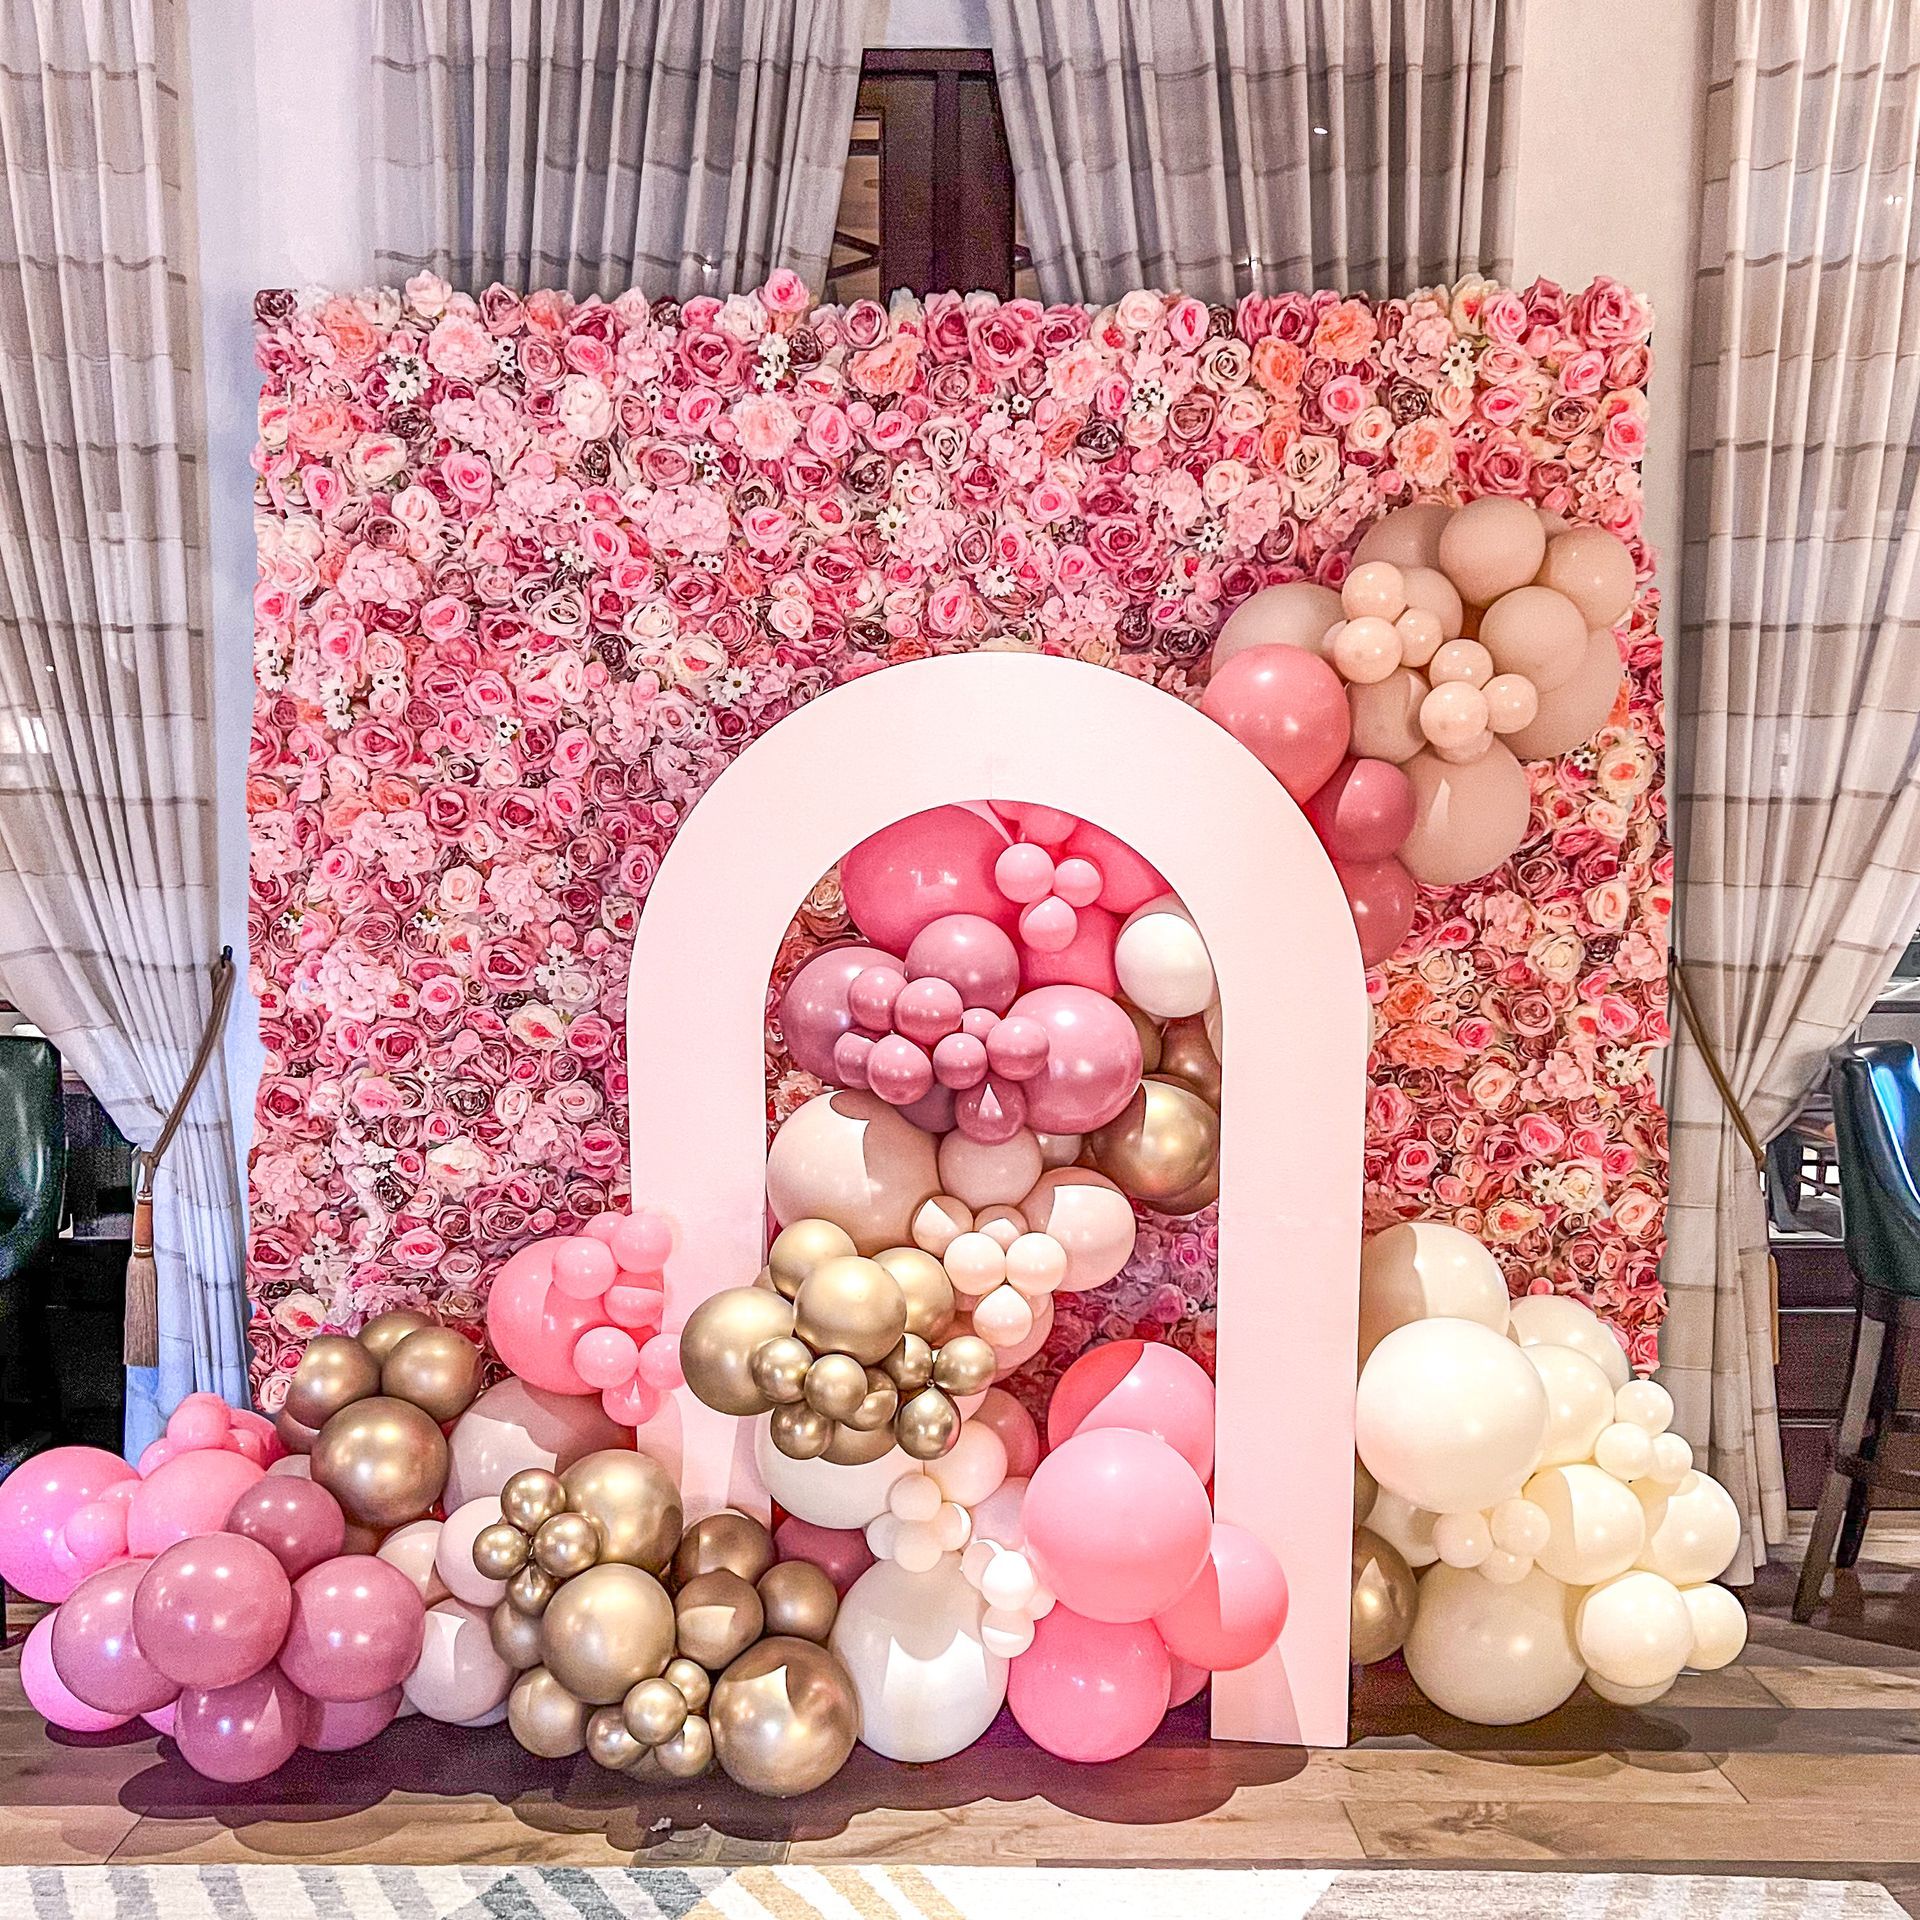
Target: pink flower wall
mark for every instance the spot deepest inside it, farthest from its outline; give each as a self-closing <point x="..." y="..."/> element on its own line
<point x="532" y="571"/>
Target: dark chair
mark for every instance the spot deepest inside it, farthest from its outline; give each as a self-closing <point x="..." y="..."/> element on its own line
<point x="1876" y="1111"/>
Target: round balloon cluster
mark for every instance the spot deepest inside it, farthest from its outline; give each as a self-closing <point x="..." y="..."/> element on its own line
<point x="1505" y="1449"/>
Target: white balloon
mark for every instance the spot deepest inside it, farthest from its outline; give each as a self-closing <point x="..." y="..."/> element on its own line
<point x="458" y="1677"/>
<point x="415" y="1550"/>
<point x="1634" y="1630"/>
<point x="1552" y="1320"/>
<point x="1627" y="1696"/>
<point x="1495" y="1655"/>
<point x="1624" y="1450"/>
<point x="1007" y="1582"/>
<point x="1406" y="1528"/>
<point x="1007" y="1634"/>
<point x="914" y="1645"/>
<point x="1162" y="962"/>
<point x="1449" y="1414"/>
<point x="1644" y="1403"/>
<point x="825" y="1494"/>
<point x="1505" y="1569"/>
<point x="1426" y="1270"/>
<point x="1462" y="1538"/>
<point x="973" y="1467"/>
<point x="453" y="1553"/>
<point x="1595" y="1526"/>
<point x="1672" y="1459"/>
<point x="1579" y="1403"/>
<point x="513" y="1425"/>
<point x="1719" y="1626"/>
<point x="1518" y="1526"/>
<point x="1695" y="1532"/>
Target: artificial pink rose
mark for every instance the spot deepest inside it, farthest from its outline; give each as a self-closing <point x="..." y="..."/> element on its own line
<point x="767" y="425"/>
<point x="1608" y="314"/>
<point x="461" y="348"/>
<point x="468" y="476"/>
<point x="784" y="292"/>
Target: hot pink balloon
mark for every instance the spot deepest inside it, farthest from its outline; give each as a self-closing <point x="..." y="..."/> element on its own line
<point x="814" y="1010"/>
<point x="1118" y="1524"/>
<point x="355" y="1630"/>
<point x="1093" y="1059"/>
<point x="1234" y="1611"/>
<point x="971" y="954"/>
<point x="1364" y="811"/>
<point x="1085" y="961"/>
<point x="533" y="1325"/>
<point x="909" y="874"/>
<point x="298" y="1521"/>
<point x="1126" y="880"/>
<point x="1090" y="1690"/>
<point x="242" y="1732"/>
<point x="1382" y="897"/>
<point x="1144" y="1385"/>
<point x="211" y="1611"/>
<point x="335" y="1726"/>
<point x="192" y="1493"/>
<point x="94" y="1651"/>
<point x="50" y="1696"/>
<point x="37" y="1499"/>
<point x="1288" y="708"/>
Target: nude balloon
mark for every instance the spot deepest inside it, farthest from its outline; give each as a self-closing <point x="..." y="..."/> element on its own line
<point x="852" y="1159"/>
<point x="1089" y="1215"/>
<point x="1578" y="708"/>
<point x="1294" y="614"/>
<point x="1491" y="546"/>
<point x="1467" y="819"/>
<point x="514" y="1425"/>
<point x="1384" y="718"/>
<point x="1536" y="633"/>
<point x="1408" y="536"/>
<point x="1594" y="569"/>
<point x="1430" y="590"/>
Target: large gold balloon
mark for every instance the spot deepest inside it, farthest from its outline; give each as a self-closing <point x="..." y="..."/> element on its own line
<point x="437" y="1369"/>
<point x="1187" y="1056"/>
<point x="385" y="1331"/>
<point x="928" y="1425"/>
<point x="515" y="1636"/>
<point x="717" y="1346"/>
<point x="851" y="1305"/>
<point x="295" y="1435"/>
<point x="928" y="1290"/>
<point x="500" y="1551"/>
<point x="605" y="1631"/>
<point x="798" y="1599"/>
<point x="531" y="1498"/>
<point x="735" y="1542"/>
<point x="964" y="1365"/>
<point x="1177" y="1206"/>
<point x="632" y="1499"/>
<point x="569" y="1543"/>
<point x="1151" y="1040"/>
<point x="798" y="1249"/>
<point x="1385" y="1595"/>
<point x="800" y="1433"/>
<point x="545" y="1718"/>
<point x="836" y="1385"/>
<point x="654" y="1711"/>
<point x="384" y="1460"/>
<point x="855" y="1446"/>
<point x="1164" y="1141"/>
<point x="689" y="1753"/>
<point x="609" y="1744"/>
<point x="717" y="1617"/>
<point x="691" y="1681"/>
<point x="784" y="1717"/>
<point x="779" y="1369"/>
<point x="334" y="1372"/>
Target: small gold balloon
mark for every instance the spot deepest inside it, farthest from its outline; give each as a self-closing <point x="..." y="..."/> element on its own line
<point x="877" y="1405"/>
<point x="927" y="1425"/>
<point x="384" y="1460"/>
<point x="964" y="1365"/>
<point x="568" y="1544"/>
<point x="385" y="1331"/>
<point x="1385" y="1596"/>
<point x="1151" y="1038"/>
<point x="1366" y="1490"/>
<point x="690" y="1682"/>
<point x="334" y="1372"/>
<point x="798" y="1249"/>
<point x="500" y="1551"/>
<point x="654" y="1711"/>
<point x="910" y="1365"/>
<point x="609" y="1744"/>
<point x="605" y="1631"/>
<point x="779" y="1369"/>
<point x="531" y="1498"/>
<point x="764" y="1280"/>
<point x="516" y="1637"/>
<point x="530" y="1589"/>
<point x="836" y="1385"/>
<point x="634" y="1502"/>
<point x="850" y="1305"/>
<point x="784" y="1717"/>
<point x="295" y="1435"/>
<point x="798" y="1599"/>
<point x="1187" y="1056"/>
<point x="850" y="1447"/>
<point x="1163" y="1142"/>
<point x="718" y="1343"/>
<point x="734" y="1541"/>
<point x="799" y="1432"/>
<point x="689" y="1753"/>
<point x="717" y="1617"/>
<point x="437" y="1369"/>
<point x="544" y="1717"/>
<point x="928" y="1290"/>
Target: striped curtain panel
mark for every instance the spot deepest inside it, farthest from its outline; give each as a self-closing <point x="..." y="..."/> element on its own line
<point x="107" y="905"/>
<point x="1797" y="829"/>
<point x="677" y="146"/>
<point x="1232" y="146"/>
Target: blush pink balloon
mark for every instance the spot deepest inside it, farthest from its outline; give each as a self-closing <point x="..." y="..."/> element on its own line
<point x="533" y="1325"/>
<point x="211" y="1611"/>
<point x="335" y="1726"/>
<point x="1144" y="1385"/>
<point x="1364" y="811"/>
<point x="1090" y="1690"/>
<point x="298" y="1521"/>
<point x="629" y="1304"/>
<point x="1085" y="961"/>
<point x="50" y="1696"/>
<point x="37" y="1499"/>
<point x="1187" y="1681"/>
<point x="583" y="1267"/>
<point x="1118" y="1524"/>
<point x="908" y="875"/>
<point x="94" y="1650"/>
<point x="1126" y="881"/>
<point x="245" y="1422"/>
<point x="1234" y="1611"/>
<point x="1024" y="872"/>
<point x="1045" y="826"/>
<point x="96" y="1535"/>
<point x="659" y="1366"/>
<point x="1382" y="898"/>
<point x="605" y="1356"/>
<point x="1093" y="1059"/>
<point x="642" y="1241"/>
<point x="355" y="1629"/>
<point x="1016" y="1427"/>
<point x="1288" y="708"/>
<point x="816" y="1008"/>
<point x="200" y="1420"/>
<point x="971" y="954"/>
<point x="242" y="1732"/>
<point x="191" y="1493"/>
<point x="1048" y="926"/>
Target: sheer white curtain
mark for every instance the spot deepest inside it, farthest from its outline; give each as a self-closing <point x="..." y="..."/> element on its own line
<point x="1797" y="825"/>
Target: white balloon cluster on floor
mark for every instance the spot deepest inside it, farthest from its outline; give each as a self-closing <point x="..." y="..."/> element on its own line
<point x="1564" y="1530"/>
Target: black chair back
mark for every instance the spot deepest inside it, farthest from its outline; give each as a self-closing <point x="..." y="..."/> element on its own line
<point x="32" y="1132"/>
<point x="1876" y="1114"/>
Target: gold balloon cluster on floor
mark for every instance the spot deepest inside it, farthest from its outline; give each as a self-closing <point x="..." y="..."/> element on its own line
<point x="848" y="1354"/>
<point x="369" y="1409"/>
<point x="661" y="1651"/>
<point x="1163" y="1147"/>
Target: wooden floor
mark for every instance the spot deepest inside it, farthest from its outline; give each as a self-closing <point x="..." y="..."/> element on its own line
<point x="1803" y="1758"/>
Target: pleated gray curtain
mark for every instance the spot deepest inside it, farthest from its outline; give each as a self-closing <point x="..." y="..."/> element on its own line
<point x="108" y="920"/>
<point x="1797" y="789"/>
<point x="1232" y="146"/>
<point x="678" y="146"/>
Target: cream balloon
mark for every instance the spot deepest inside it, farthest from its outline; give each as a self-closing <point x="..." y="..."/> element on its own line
<point x="1365" y="650"/>
<point x="1634" y="1630"/>
<point x="513" y="1425"/>
<point x="1408" y="536"/>
<point x="988" y="1175"/>
<point x="1404" y="1527"/>
<point x="1579" y="1403"/>
<point x="1595" y="1527"/>
<point x="1626" y="1696"/>
<point x="1624" y="1450"/>
<point x="1594" y="569"/>
<point x="1089" y="1216"/>
<point x="1578" y="708"/>
<point x="852" y="1159"/>
<point x="1426" y="1270"/>
<point x="453" y="1553"/>
<point x="1719" y="1626"/>
<point x="1162" y="962"/>
<point x="940" y="1221"/>
<point x="415" y="1550"/>
<point x="826" y="1495"/>
<point x="1374" y="587"/>
<point x="1645" y="1404"/>
<point x="1466" y="819"/>
<point x="459" y="1676"/>
<point x="1295" y="614"/>
<point x="1385" y="717"/>
<point x="1692" y="1531"/>
<point x="1554" y="1320"/>
<point x="1494" y="1655"/>
<point x="1490" y="546"/>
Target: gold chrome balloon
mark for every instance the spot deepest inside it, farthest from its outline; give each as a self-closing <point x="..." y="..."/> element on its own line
<point x="851" y="1305"/>
<point x="718" y="1342"/>
<point x="927" y="1425"/>
<point x="1385" y="1595"/>
<point x="605" y="1631"/>
<point x="690" y="1682"/>
<point x="734" y="1541"/>
<point x="784" y="1717"/>
<point x="853" y="1447"/>
<point x="385" y="1331"/>
<point x="609" y="1744"/>
<point x="334" y="1372"/>
<point x="295" y="1436"/>
<point x="384" y="1460"/>
<point x="545" y="1718"/>
<point x="568" y="1544"/>
<point x="531" y="1498"/>
<point x="836" y="1385"/>
<point x="654" y="1711"/>
<point x="1178" y="1205"/>
<point x="689" y="1753"/>
<point x="500" y="1551"/>
<point x="779" y="1369"/>
<point x="877" y="1405"/>
<point x="1151" y="1040"/>
<point x="798" y="1599"/>
<point x="717" y="1618"/>
<point x="1366" y="1490"/>
<point x="928" y="1290"/>
<point x="798" y="1249"/>
<point x="1187" y="1056"/>
<point x="437" y="1369"/>
<point x="530" y="1589"/>
<point x="632" y="1499"/>
<point x="964" y="1365"/>
<point x="800" y="1433"/>
<point x="1163" y="1142"/>
<point x="516" y="1637"/>
<point x="910" y="1365"/>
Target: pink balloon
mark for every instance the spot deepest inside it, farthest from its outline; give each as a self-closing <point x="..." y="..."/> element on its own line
<point x="960" y="1061"/>
<point x="1382" y="897"/>
<point x="1126" y="880"/>
<point x="1016" y="1427"/>
<point x="161" y="1719"/>
<point x="1090" y="1690"/>
<point x="898" y="1071"/>
<point x="911" y="873"/>
<point x="242" y="1732"/>
<point x="606" y="1356"/>
<point x="1024" y="872"/>
<point x="298" y="1521"/>
<point x="37" y="1499"/>
<point x="200" y="1420"/>
<point x="631" y="1305"/>
<point x="1078" y="881"/>
<point x="243" y="1420"/>
<point x="533" y="1325"/>
<point x="1234" y="1611"/>
<point x="1118" y="1524"/>
<point x="1085" y="961"/>
<point x="154" y="1455"/>
<point x="660" y="1365"/>
<point x="50" y="1696"/>
<point x="1048" y="926"/>
<point x="1093" y="1059"/>
<point x="1187" y="1681"/>
<point x="1144" y="1385"/>
<point x="815" y="1010"/>
<point x="334" y="1726"/>
<point x="583" y="1268"/>
<point x="94" y="1651"/>
<point x="355" y="1629"/>
<point x="1045" y="826"/>
<point x="1364" y="811"/>
<point x="972" y="954"/>
<point x="841" y="1553"/>
<point x="991" y="1113"/>
<point x="96" y="1535"/>
<point x="212" y="1611"/>
<point x="642" y="1241"/>
<point x="633" y="1402"/>
<point x="1288" y="708"/>
<point x="192" y="1493"/>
